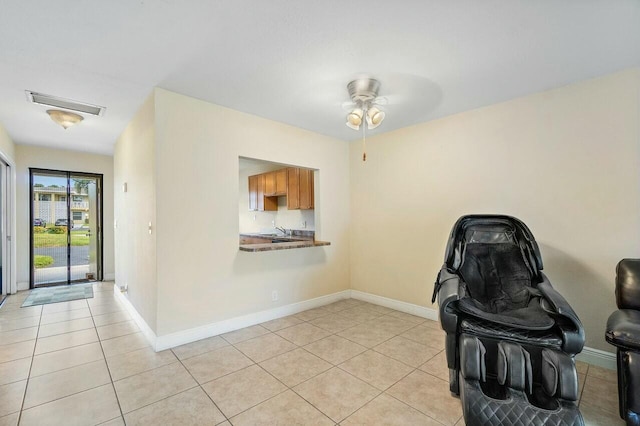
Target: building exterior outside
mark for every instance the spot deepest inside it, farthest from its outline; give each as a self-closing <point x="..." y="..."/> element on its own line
<point x="50" y="204"/>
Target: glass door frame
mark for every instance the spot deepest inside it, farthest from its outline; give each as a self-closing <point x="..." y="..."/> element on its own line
<point x="100" y="243"/>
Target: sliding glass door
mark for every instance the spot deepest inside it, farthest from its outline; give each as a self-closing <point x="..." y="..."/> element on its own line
<point x="66" y="219"/>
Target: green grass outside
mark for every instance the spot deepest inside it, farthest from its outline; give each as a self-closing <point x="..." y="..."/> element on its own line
<point x="78" y="238"/>
<point x="42" y="261"/>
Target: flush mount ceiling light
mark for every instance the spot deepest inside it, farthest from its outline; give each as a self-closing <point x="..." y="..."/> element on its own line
<point x="68" y="104"/>
<point x="64" y="118"/>
<point x="68" y="115"/>
<point x="364" y="96"/>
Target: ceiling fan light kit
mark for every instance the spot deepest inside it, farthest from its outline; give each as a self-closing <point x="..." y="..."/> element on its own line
<point x="374" y="117"/>
<point x="363" y="93"/>
<point x="354" y="118"/>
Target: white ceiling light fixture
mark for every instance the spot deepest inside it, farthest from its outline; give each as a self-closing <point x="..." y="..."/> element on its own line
<point x="374" y="117"/>
<point x="68" y="104"/>
<point x="68" y="115"/>
<point x="65" y="118"/>
<point x="364" y="95"/>
<point x="354" y="119"/>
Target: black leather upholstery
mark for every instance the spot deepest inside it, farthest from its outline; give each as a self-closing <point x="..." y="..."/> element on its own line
<point x="558" y="378"/>
<point x="627" y="287"/>
<point x="515" y="407"/>
<point x="514" y="367"/>
<point x="472" y="364"/>
<point x="480" y="328"/>
<point x="511" y="337"/>
<point x="623" y="331"/>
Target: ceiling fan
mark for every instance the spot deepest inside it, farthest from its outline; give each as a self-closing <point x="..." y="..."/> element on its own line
<point x="364" y="107"/>
<point x="364" y="103"/>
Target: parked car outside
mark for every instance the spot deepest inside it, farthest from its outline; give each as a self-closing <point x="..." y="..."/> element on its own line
<point x="39" y="222"/>
<point x="62" y="222"/>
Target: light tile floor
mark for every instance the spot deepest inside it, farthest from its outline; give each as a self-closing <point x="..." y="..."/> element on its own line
<point x="85" y="362"/>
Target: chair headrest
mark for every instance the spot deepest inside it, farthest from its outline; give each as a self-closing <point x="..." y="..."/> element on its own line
<point x="628" y="284"/>
<point x="488" y="229"/>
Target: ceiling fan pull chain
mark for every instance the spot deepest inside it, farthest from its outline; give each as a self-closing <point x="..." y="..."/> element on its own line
<point x="364" y="142"/>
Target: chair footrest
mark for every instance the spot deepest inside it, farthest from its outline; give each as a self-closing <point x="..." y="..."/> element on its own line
<point x="482" y="410"/>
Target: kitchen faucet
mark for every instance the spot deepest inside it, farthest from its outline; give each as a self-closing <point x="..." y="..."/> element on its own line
<point x="284" y="231"/>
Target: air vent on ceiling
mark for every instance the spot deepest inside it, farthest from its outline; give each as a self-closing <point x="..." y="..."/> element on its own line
<point x="68" y="104"/>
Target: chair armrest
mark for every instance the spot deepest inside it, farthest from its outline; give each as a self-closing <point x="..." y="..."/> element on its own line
<point x="570" y="325"/>
<point x="448" y="285"/>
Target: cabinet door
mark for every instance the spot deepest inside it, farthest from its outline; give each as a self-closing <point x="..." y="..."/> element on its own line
<point x="253" y="193"/>
<point x="293" y="188"/>
<point x="261" y="182"/>
<point x="306" y="189"/>
<point x="281" y="182"/>
<point x="265" y="203"/>
<point x="270" y="183"/>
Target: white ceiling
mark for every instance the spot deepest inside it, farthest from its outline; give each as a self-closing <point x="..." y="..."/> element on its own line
<point x="290" y="61"/>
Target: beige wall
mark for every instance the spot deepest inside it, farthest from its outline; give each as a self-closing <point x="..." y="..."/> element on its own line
<point x="134" y="164"/>
<point x="202" y="276"/>
<point x="7" y="147"/>
<point x="255" y="221"/>
<point x="565" y="161"/>
<point x="32" y="156"/>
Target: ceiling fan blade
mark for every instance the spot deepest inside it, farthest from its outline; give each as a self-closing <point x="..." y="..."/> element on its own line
<point x="381" y="100"/>
<point x="347" y="105"/>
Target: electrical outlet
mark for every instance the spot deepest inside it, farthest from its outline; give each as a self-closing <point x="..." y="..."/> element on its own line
<point x="254" y="217"/>
<point x="304" y="224"/>
<point x="274" y="296"/>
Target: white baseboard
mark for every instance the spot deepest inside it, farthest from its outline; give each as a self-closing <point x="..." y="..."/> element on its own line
<point x="24" y="285"/>
<point x="193" y="334"/>
<point x="109" y="277"/>
<point x="408" y="308"/>
<point x="159" y="343"/>
<point x="144" y="327"/>
<point x="598" y="357"/>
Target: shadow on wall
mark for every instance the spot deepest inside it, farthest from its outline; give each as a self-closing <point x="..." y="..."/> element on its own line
<point x="587" y="291"/>
<point x="247" y="263"/>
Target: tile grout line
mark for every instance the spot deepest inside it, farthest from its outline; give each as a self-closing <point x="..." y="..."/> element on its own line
<point x="296" y="346"/>
<point x="113" y="386"/>
<point x="331" y="364"/>
<point x="586" y="374"/>
<point x="26" y="386"/>
<point x="201" y="388"/>
<point x="372" y="349"/>
<point x="67" y="368"/>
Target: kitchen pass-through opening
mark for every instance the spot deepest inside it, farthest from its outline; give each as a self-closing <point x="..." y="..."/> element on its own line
<point x="66" y="227"/>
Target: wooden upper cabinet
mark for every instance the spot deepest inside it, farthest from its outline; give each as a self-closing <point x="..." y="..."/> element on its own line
<point x="253" y="193"/>
<point x="299" y="189"/>
<point x="294" y="182"/>
<point x="265" y="203"/>
<point x="293" y="188"/>
<point x="306" y="189"/>
<point x="270" y="184"/>
<point x="275" y="183"/>
<point x="281" y="182"/>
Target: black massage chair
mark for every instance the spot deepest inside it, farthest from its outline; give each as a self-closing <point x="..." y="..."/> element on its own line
<point x="510" y="337"/>
<point x="623" y="331"/>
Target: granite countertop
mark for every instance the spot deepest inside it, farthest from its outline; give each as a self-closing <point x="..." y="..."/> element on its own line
<point x="300" y="239"/>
